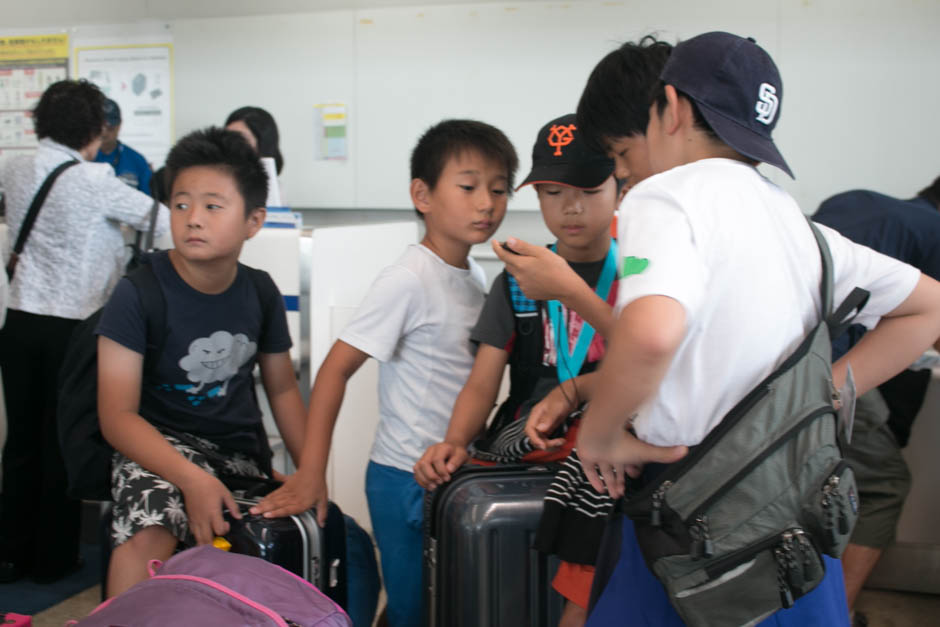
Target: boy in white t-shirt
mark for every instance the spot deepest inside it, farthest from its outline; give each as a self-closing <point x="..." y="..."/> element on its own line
<point x="416" y="321"/>
<point x="719" y="284"/>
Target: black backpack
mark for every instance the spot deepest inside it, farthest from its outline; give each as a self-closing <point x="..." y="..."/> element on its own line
<point x="87" y="455"/>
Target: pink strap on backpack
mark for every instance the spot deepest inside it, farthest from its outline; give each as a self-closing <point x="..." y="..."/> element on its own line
<point x="153" y="566"/>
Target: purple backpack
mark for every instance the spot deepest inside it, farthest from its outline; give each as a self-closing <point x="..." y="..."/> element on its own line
<point x="207" y="586"/>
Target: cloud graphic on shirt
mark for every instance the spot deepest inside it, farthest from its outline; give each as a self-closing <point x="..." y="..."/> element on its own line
<point x="216" y="358"/>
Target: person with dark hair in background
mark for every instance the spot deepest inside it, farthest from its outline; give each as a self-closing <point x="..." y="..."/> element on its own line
<point x="68" y="266"/>
<point x="260" y="129"/>
<point x="908" y="230"/>
<point x="129" y="165"/>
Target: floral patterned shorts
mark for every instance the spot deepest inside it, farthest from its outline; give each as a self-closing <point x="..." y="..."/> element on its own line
<point x="143" y="499"/>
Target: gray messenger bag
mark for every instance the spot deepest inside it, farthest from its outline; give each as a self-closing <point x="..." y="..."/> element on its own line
<point x="737" y="529"/>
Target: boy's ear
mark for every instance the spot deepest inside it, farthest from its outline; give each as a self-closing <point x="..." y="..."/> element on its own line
<point x="421" y="195"/>
<point x="255" y="221"/>
<point x="676" y="111"/>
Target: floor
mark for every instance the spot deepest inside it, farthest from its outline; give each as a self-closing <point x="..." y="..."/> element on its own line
<point x="883" y="608"/>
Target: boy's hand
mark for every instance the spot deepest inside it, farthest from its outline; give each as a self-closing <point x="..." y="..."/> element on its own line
<point x="299" y="493"/>
<point x="626" y="456"/>
<point x="545" y="417"/>
<point x="438" y="463"/>
<point x="541" y="274"/>
<point x="205" y="498"/>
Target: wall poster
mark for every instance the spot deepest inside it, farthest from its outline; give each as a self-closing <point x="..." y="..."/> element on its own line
<point x="28" y="64"/>
<point x="139" y="77"/>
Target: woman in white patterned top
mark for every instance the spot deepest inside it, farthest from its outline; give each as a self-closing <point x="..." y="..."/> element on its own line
<point x="70" y="262"/>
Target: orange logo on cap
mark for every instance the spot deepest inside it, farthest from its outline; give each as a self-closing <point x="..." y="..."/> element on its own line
<point x="559" y="136"/>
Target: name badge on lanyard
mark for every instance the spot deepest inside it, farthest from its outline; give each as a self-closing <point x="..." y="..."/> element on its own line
<point x="568" y="362"/>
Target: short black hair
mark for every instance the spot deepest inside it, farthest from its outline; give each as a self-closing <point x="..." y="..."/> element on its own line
<point x="616" y="100"/>
<point x="227" y="150"/>
<point x="70" y="112"/>
<point x="932" y="193"/>
<point x="698" y="120"/>
<point x="264" y="128"/>
<point x="453" y="137"/>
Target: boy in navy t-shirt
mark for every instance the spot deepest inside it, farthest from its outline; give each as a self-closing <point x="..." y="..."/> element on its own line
<point x="192" y="416"/>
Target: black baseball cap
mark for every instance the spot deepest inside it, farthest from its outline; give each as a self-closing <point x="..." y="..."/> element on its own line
<point x="737" y="88"/>
<point x="560" y="155"/>
<point x="112" y="112"/>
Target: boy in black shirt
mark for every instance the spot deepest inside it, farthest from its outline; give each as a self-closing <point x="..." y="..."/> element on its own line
<point x="192" y="416"/>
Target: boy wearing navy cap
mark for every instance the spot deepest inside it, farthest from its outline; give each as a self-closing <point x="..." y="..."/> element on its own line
<point x="545" y="343"/>
<point x="129" y="165"/>
<point x="717" y="288"/>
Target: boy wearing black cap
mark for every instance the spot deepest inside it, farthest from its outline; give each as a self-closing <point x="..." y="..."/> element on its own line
<point x="544" y="343"/>
<point x="712" y="251"/>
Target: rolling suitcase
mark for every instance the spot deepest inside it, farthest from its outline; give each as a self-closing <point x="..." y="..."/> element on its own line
<point x="296" y="543"/>
<point x="479" y="564"/>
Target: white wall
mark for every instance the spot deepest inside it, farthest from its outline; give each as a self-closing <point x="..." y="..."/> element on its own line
<point x="859" y="103"/>
<point x="857" y="109"/>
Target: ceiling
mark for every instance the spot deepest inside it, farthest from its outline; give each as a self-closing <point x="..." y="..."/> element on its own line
<point x="28" y="13"/>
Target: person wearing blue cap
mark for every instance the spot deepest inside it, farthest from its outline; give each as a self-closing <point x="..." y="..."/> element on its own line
<point x="129" y="165"/>
<point x="718" y="285"/>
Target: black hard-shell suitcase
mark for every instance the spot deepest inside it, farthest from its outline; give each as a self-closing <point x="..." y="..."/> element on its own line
<point x="296" y="543"/>
<point x="479" y="564"/>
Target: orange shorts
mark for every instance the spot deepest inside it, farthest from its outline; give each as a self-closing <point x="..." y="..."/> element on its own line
<point x="573" y="581"/>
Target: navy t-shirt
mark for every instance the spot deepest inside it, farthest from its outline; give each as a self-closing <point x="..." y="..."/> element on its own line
<point x="129" y="165"/>
<point x="203" y="383"/>
<point x="908" y="230"/>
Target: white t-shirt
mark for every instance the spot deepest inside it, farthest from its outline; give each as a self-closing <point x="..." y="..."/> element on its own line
<point x="735" y="250"/>
<point x="416" y="322"/>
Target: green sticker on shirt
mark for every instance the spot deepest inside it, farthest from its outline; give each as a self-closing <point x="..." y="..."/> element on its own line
<point x="633" y="265"/>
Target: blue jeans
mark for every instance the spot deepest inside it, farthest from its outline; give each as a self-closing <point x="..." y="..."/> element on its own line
<point x="634" y="597"/>
<point x="396" y="503"/>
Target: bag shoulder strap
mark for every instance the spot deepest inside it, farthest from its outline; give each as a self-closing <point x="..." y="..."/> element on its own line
<point x="267" y="293"/>
<point x="36" y="205"/>
<point x="825" y="282"/>
<point x="153" y="304"/>
<point x="521" y="304"/>
<point x="840" y="319"/>
<point x="266" y="289"/>
<point x="148" y="237"/>
<point x="33" y="211"/>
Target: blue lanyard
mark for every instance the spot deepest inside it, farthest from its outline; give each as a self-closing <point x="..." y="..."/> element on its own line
<point x="568" y="363"/>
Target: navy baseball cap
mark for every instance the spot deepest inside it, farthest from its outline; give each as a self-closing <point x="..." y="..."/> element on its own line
<point x="112" y="112"/>
<point x="560" y="155"/>
<point x="737" y="88"/>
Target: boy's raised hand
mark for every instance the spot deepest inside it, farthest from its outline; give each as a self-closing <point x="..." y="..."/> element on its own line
<point x="545" y="417"/>
<point x="299" y="493"/>
<point x="205" y="497"/>
<point x="541" y="274"/>
<point x="438" y="463"/>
